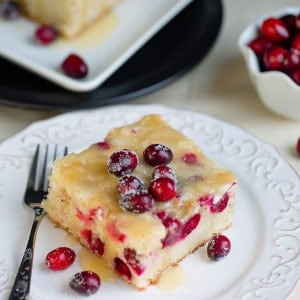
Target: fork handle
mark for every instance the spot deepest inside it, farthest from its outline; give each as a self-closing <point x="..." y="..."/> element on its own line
<point x="21" y="287"/>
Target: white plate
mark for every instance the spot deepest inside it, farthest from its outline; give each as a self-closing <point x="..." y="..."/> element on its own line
<point x="124" y="31"/>
<point x="264" y="261"/>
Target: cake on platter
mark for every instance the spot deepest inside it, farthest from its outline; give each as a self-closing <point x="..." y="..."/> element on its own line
<point x="143" y="198"/>
<point x="69" y="17"/>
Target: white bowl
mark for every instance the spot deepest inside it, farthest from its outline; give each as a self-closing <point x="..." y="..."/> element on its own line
<point x="276" y="90"/>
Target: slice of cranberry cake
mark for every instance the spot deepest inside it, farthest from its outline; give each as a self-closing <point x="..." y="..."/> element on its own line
<point x="143" y="198"/>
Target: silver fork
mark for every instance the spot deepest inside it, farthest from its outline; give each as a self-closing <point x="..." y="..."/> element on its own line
<point x="35" y="192"/>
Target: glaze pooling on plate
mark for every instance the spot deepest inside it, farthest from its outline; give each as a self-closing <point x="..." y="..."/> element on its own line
<point x="265" y="234"/>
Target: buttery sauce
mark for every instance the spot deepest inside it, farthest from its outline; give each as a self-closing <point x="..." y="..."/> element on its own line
<point x="91" y="262"/>
<point x="172" y="280"/>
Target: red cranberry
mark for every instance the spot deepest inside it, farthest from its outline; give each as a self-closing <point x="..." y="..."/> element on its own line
<point x="259" y="45"/>
<point x="218" y="247"/>
<point x="163" y="189"/>
<point x="122" y="162"/>
<point x="10" y="10"/>
<point x="275" y="30"/>
<point x="74" y="66"/>
<point x="190" y="158"/>
<point x="190" y="225"/>
<point x="132" y="259"/>
<point x="128" y="185"/>
<point x="138" y="202"/>
<point x="122" y="268"/>
<point x="298" y="146"/>
<point x="45" y="34"/>
<point x="95" y="243"/>
<point x="297" y="22"/>
<point x="157" y="154"/>
<point x="60" y="258"/>
<point x="296" y="43"/>
<point x="295" y="75"/>
<point x="273" y="58"/>
<point x="291" y="60"/>
<point x="290" y="22"/>
<point x="163" y="171"/>
<point x="85" y="282"/>
<point x="219" y="206"/>
<point x="104" y="145"/>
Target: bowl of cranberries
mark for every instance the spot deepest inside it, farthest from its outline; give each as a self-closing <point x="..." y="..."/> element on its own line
<point x="271" y="48"/>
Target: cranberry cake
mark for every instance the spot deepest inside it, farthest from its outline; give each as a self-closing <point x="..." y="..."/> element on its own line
<point x="69" y="17"/>
<point x="143" y="198"/>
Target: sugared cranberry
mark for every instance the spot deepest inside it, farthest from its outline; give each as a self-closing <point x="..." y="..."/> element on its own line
<point x="298" y="146"/>
<point x="291" y="60"/>
<point x="275" y="30"/>
<point x="218" y="247"/>
<point x="129" y="185"/>
<point x="157" y="154"/>
<point x="122" y="268"/>
<point x="10" y="10"/>
<point x="85" y="282"/>
<point x="273" y="58"/>
<point x="132" y="259"/>
<point x="139" y="202"/>
<point x="46" y="34"/>
<point x="60" y="258"/>
<point x="74" y="66"/>
<point x="122" y="162"/>
<point x="163" y="171"/>
<point x="163" y="189"/>
<point x="295" y="75"/>
<point x="259" y="45"/>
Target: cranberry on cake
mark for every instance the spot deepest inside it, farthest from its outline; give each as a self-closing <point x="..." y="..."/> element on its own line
<point x="143" y="198"/>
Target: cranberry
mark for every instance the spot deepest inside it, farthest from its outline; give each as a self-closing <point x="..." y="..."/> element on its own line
<point x="291" y="60"/>
<point x="298" y="146"/>
<point x="139" y="202"/>
<point x="295" y="75"/>
<point x="259" y="45"/>
<point x="163" y="171"/>
<point x="128" y="185"/>
<point x="60" y="258"/>
<point x="163" y="189"/>
<point x="273" y="58"/>
<point x="296" y="43"/>
<point x="95" y="243"/>
<point x="122" y="162"/>
<point x="45" y="34"/>
<point x="275" y="30"/>
<point x="297" y="22"/>
<point x="190" y="158"/>
<point x="219" y="206"/>
<point x="157" y="154"/>
<point x="10" y="10"/>
<point x="190" y="225"/>
<point x="104" y="145"/>
<point x="122" y="268"/>
<point x="74" y="66"/>
<point x="85" y="282"/>
<point x="115" y="233"/>
<point x="290" y="22"/>
<point x="132" y="259"/>
<point x="218" y="247"/>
